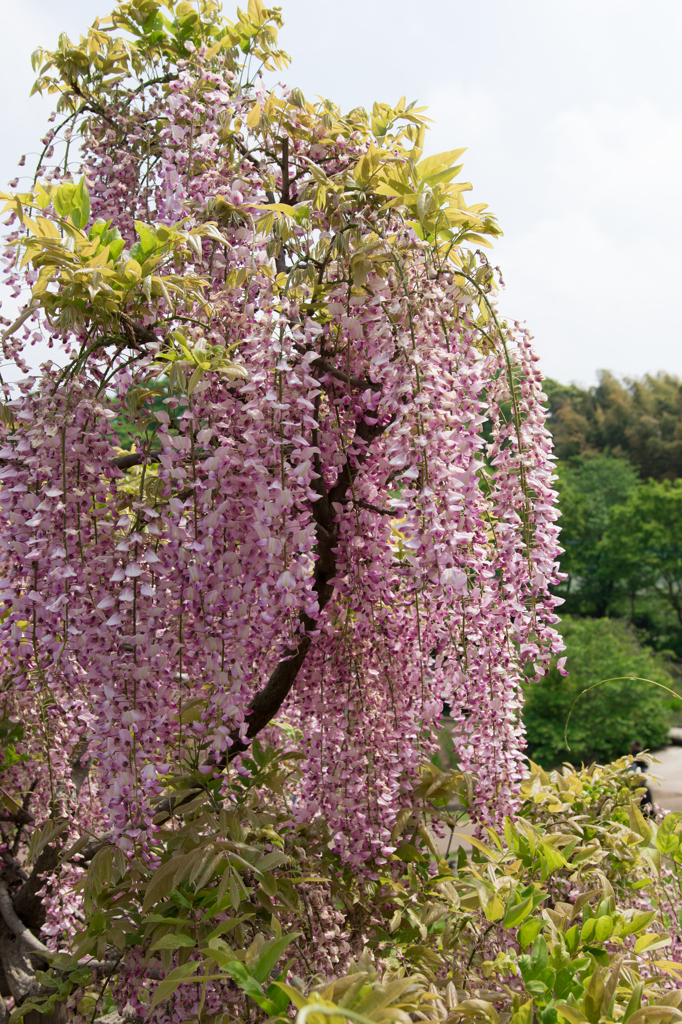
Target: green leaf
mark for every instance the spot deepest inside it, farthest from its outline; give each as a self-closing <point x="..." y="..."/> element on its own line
<point x="572" y="938"/>
<point x="277" y="996"/>
<point x="528" y="932"/>
<point x="603" y="928"/>
<point x="600" y="955"/>
<point x="550" y="858"/>
<point x="80" y="214"/>
<point x="63" y="199"/>
<point x="97" y="229"/>
<point x="443" y="177"/>
<point x="515" y="915"/>
<point x="174" y="941"/>
<point x="638" y="923"/>
<point x="270" y="953"/>
<point x="653" y="940"/>
<point x="524" y="1014"/>
<point x="247" y="983"/>
<point x="132" y="270"/>
<point x="409" y="853"/>
<point x="667" y="840"/>
<point x="570" y="1013"/>
<point x="539" y="955"/>
<point x="147" y="237"/>
<point x="638" y="823"/>
<point x="167" y="987"/>
<point x="437" y="163"/>
<point x="635" y="1001"/>
<point x="116" y="248"/>
<point x="294" y="995"/>
<point x="594" y="996"/>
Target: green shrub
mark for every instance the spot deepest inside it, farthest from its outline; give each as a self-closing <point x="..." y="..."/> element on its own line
<point x="608" y="718"/>
<point x="560" y="915"/>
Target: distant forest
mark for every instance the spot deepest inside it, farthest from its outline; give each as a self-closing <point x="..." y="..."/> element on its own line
<point x="619" y="452"/>
<point x="619" y="449"/>
<point x="637" y="420"/>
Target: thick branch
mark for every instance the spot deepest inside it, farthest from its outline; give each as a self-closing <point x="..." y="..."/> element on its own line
<point x="79" y="771"/>
<point x="374" y="508"/>
<point x="131" y="459"/>
<point x="355" y="382"/>
<point x="14" y="865"/>
<point x="266" y="703"/>
<point x="16" y="926"/>
<point x="285" y="169"/>
<point x="27" y="904"/>
<point x="135" y="333"/>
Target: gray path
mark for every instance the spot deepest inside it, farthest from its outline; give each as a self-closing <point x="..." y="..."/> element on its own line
<point x="667" y="790"/>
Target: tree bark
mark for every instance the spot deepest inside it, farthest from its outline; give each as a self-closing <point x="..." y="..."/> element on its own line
<point x="28" y="906"/>
<point x="266" y="703"/>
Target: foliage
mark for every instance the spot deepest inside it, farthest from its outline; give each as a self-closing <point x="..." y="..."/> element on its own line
<point x="643" y="544"/>
<point x="589" y="487"/>
<point x="621" y="547"/>
<point x="565" y="913"/>
<point x="639" y="420"/>
<point x="606" y="720"/>
<point x="336" y="508"/>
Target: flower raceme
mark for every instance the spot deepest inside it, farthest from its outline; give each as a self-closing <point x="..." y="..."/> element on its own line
<point x="336" y="504"/>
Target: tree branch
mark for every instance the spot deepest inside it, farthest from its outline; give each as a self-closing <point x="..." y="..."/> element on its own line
<point x="14" y="865"/>
<point x="28" y="906"/>
<point x="16" y="926"/>
<point x="355" y="382"/>
<point x="265" y="704"/>
<point x="131" y="459"/>
<point x="135" y="334"/>
<point x="285" y="169"/>
<point x="374" y="508"/>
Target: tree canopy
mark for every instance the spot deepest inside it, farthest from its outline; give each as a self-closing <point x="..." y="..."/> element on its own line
<point x="590" y="487"/>
<point x="639" y="420"/>
<point x="337" y="504"/>
<point x="604" y="721"/>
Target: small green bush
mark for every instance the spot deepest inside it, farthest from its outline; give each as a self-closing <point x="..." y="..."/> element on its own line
<point x="607" y="719"/>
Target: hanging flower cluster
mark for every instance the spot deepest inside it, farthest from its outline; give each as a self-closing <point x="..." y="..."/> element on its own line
<point x="291" y="463"/>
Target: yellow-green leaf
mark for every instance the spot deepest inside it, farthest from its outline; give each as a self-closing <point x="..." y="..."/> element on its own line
<point x="438" y="162"/>
<point x="652" y="940"/>
<point x="166" y="988"/>
<point x="174" y="941"/>
<point x="253" y="118"/>
<point x="133" y="270"/>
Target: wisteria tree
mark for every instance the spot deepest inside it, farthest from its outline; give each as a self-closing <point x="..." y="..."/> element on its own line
<point x="333" y="510"/>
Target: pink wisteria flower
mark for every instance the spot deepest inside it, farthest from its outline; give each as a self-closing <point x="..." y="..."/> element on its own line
<point x="330" y="498"/>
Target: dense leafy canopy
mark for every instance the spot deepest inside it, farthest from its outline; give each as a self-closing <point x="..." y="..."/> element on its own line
<point x="605" y="721"/>
<point x="639" y="420"/>
<point x="643" y="544"/>
<point x="589" y="488"/>
<point x="621" y="547"/>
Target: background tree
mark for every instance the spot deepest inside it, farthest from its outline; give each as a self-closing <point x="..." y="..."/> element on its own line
<point x="590" y="486"/>
<point x="643" y="543"/>
<point x="639" y="420"/>
<point x="286" y="302"/>
<point x="606" y="720"/>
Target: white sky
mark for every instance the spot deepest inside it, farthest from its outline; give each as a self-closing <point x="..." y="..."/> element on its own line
<point x="572" y="115"/>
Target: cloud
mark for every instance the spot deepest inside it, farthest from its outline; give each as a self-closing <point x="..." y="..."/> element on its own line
<point x="596" y="272"/>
